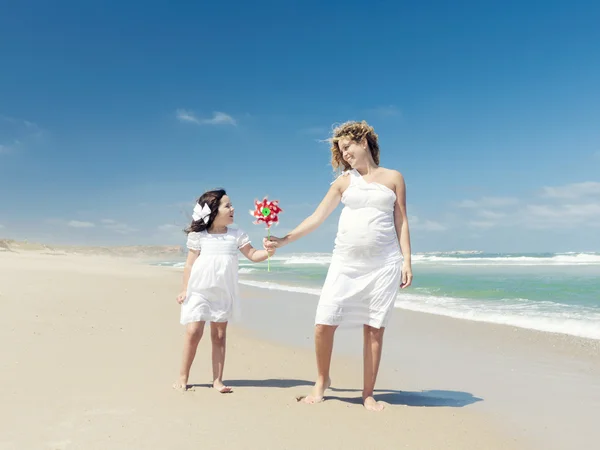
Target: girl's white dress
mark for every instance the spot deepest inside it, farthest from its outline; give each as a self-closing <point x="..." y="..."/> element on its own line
<point x="365" y="272"/>
<point x="212" y="291"/>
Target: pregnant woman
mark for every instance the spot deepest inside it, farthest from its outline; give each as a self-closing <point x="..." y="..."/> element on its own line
<point x="371" y="258"/>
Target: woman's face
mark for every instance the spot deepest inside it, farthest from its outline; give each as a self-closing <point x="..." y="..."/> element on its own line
<point x="352" y="151"/>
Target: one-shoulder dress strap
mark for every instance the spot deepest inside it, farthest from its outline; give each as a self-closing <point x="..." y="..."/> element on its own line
<point x="343" y="174"/>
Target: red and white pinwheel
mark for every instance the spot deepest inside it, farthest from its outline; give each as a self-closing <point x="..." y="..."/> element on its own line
<point x="266" y="212"/>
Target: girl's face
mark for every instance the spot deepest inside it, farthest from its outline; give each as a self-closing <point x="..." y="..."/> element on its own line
<point x="225" y="214"/>
<point x="352" y="151"/>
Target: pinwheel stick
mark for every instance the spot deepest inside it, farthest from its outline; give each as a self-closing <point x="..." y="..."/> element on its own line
<point x="266" y="212"/>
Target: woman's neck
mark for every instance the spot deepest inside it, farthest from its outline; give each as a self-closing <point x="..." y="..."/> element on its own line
<point x="366" y="168"/>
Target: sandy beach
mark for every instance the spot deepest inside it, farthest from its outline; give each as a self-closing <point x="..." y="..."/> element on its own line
<point x="91" y="345"/>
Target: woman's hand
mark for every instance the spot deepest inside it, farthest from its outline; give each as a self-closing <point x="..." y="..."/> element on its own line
<point x="181" y="297"/>
<point x="407" y="276"/>
<point x="273" y="242"/>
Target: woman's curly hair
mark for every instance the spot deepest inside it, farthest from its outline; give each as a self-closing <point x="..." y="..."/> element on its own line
<point x="357" y="131"/>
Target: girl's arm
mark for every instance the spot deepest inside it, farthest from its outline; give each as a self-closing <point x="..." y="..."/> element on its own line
<point x="189" y="262"/>
<point x="312" y="222"/>
<point x="255" y="255"/>
<point x="402" y="229"/>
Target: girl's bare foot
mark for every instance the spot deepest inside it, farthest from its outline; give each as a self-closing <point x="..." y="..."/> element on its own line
<point x="219" y="386"/>
<point x="178" y="386"/>
<point x="318" y="394"/>
<point x="372" y="405"/>
<point x="182" y="385"/>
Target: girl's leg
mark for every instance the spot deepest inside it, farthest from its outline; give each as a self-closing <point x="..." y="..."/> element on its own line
<point x="218" y="336"/>
<point x="373" y="344"/>
<point x="193" y="334"/>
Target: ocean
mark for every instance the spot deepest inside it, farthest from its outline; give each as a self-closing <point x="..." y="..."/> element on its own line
<point x="551" y="292"/>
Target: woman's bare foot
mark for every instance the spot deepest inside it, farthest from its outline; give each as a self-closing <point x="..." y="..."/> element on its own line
<point x="372" y="405"/>
<point x="219" y="386"/>
<point x="318" y="394"/>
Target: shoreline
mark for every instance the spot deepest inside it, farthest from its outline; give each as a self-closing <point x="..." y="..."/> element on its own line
<point x="92" y="346"/>
<point x="584" y="340"/>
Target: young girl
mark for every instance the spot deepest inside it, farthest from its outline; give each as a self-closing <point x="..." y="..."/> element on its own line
<point x="210" y="281"/>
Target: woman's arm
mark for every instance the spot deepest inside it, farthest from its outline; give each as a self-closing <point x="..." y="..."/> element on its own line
<point x="312" y="222"/>
<point x="402" y="229"/>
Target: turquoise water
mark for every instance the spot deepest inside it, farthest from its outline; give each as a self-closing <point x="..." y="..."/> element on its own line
<point x="548" y="292"/>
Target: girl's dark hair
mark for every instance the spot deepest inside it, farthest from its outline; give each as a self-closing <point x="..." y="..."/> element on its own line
<point x="212" y="199"/>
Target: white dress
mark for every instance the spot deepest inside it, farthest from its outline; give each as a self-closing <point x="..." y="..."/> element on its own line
<point x="212" y="291"/>
<point x="365" y="272"/>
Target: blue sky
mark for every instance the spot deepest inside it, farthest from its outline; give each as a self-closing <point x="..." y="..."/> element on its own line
<point x="115" y="116"/>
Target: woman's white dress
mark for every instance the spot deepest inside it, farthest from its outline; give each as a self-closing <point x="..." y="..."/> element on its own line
<point x="365" y="272"/>
<point x="212" y="291"/>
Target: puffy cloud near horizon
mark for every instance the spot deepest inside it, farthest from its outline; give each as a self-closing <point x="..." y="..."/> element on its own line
<point x="218" y="118"/>
<point x="559" y="207"/>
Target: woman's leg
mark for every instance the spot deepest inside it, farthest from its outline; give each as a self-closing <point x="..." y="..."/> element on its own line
<point x="373" y="344"/>
<point x="193" y="334"/>
<point x="218" y="336"/>
<point x="324" y="335"/>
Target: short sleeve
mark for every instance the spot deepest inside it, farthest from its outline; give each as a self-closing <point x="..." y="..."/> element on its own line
<point x="193" y="241"/>
<point x="242" y="238"/>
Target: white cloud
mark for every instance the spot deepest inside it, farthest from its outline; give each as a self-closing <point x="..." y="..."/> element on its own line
<point x="321" y="131"/>
<point x="573" y="191"/>
<point x="1" y="226"/>
<point x="16" y="133"/>
<point x="431" y="225"/>
<point x="186" y="116"/>
<point x="385" y="111"/>
<point x="488" y="202"/>
<point x="481" y="224"/>
<point x="19" y="122"/>
<point x="218" y="118"/>
<point x="10" y="148"/>
<point x="426" y="225"/>
<point x="491" y="215"/>
<point x="554" y="207"/>
<point x="468" y="204"/>
<point x="561" y="215"/>
<point x="168" y="227"/>
<point x="80" y="224"/>
<point x="117" y="227"/>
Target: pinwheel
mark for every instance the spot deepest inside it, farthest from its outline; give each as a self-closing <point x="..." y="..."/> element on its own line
<point x="266" y="212"/>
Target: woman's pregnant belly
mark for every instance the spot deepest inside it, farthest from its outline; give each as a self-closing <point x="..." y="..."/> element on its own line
<point x="366" y="233"/>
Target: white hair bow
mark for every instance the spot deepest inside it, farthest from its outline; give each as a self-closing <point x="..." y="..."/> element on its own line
<point x="201" y="212"/>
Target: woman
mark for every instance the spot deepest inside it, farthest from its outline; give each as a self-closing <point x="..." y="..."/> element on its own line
<point x="366" y="267"/>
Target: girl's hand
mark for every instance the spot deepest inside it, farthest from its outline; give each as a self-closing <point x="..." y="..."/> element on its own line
<point x="181" y="297"/>
<point x="407" y="276"/>
<point x="273" y="242"/>
<point x="269" y="248"/>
